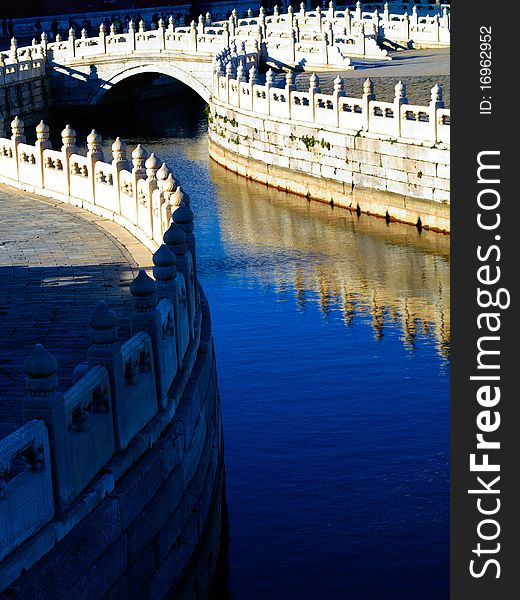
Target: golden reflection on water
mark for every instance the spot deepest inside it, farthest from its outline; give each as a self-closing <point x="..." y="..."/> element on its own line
<point x="356" y="265"/>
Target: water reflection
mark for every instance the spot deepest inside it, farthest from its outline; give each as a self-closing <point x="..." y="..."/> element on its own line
<point x="357" y="266"/>
<point x="332" y="340"/>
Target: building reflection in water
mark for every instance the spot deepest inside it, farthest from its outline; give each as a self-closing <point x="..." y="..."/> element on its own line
<point x="355" y="267"/>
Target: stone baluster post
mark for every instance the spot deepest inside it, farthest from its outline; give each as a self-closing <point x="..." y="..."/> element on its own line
<point x="319" y="23"/>
<point x="229" y="76"/>
<point x="445" y="18"/>
<point x="330" y="12"/>
<point x="112" y="29"/>
<point x="17" y="137"/>
<point x="120" y="163"/>
<point x="94" y="153"/>
<point x="253" y="80"/>
<point x="290" y="86"/>
<point x="231" y="26"/>
<point x="386" y="13"/>
<point x="225" y="35"/>
<point x="152" y="165"/>
<point x="131" y="35"/>
<point x="146" y="317"/>
<point x="293" y="39"/>
<point x="241" y="79"/>
<point x="158" y="202"/>
<point x="139" y="157"/>
<point x="175" y="239"/>
<point x="68" y="136"/>
<point x="44" y="42"/>
<point x="269" y="78"/>
<point x="42" y="143"/>
<point x="314" y="88"/>
<point x="290" y="17"/>
<point x="183" y="216"/>
<point x="436" y="28"/>
<point x="358" y="16"/>
<point x="161" y="34"/>
<point x="406" y="27"/>
<point x="200" y="25"/>
<point x="13" y="51"/>
<point x="168" y="283"/>
<point x="193" y="36"/>
<point x="376" y="23"/>
<point x="399" y="100"/>
<point x="142" y="27"/>
<point x="436" y="102"/>
<point x="414" y="20"/>
<point x="105" y="351"/>
<point x="261" y="21"/>
<point x="339" y="91"/>
<point x="234" y="15"/>
<point x="44" y="402"/>
<point x="368" y="96"/>
<point x="171" y="24"/>
<point x="103" y="38"/>
<point x="361" y="40"/>
<point x="208" y="20"/>
<point x="301" y="14"/>
<point x="348" y="22"/>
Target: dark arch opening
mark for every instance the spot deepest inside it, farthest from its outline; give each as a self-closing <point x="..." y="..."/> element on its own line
<point x="152" y="105"/>
<point x="145" y="105"/>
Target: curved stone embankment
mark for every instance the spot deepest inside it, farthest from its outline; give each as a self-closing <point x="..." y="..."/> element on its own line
<point x="112" y="489"/>
<point x="385" y="177"/>
<point x="158" y="529"/>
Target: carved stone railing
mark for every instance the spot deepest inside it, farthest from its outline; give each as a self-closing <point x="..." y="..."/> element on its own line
<point x="237" y="86"/>
<point x="124" y="395"/>
<point x="21" y="64"/>
<point x="138" y="193"/>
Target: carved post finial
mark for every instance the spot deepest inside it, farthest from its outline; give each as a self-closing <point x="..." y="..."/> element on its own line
<point x="68" y="136"/>
<point x="103" y="326"/>
<point x="18" y="129"/>
<point x="94" y="141"/>
<point x="139" y="156"/>
<point x="368" y="88"/>
<point x="314" y="83"/>
<point x="42" y="136"/>
<point x="144" y="291"/>
<point x="400" y="93"/>
<point x="339" y="86"/>
<point x="165" y="271"/>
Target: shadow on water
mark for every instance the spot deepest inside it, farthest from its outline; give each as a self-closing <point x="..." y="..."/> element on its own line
<point x="158" y="109"/>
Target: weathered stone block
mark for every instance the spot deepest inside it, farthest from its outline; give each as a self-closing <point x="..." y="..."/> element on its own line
<point x="98" y="580"/>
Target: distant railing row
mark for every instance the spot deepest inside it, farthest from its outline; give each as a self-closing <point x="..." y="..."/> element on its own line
<point x="69" y="438"/>
<point x="237" y="85"/>
<point x="305" y="38"/>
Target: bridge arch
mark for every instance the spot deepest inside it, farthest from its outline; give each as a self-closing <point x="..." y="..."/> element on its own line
<point x="160" y="68"/>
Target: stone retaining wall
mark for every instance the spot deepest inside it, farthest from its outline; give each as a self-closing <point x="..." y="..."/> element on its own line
<point x="359" y="171"/>
<point x="27" y="98"/>
<point x="159" y="527"/>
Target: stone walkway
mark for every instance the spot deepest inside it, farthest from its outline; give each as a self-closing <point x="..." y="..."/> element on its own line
<point x="56" y="263"/>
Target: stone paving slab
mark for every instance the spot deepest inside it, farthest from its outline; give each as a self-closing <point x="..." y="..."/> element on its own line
<point x="56" y="262"/>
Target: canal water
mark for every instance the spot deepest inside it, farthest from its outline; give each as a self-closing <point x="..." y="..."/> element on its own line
<point x="332" y="340"/>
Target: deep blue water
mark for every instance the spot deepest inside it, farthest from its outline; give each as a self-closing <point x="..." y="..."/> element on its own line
<point x="332" y="335"/>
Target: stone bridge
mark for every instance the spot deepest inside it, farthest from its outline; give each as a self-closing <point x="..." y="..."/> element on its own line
<point x="83" y="69"/>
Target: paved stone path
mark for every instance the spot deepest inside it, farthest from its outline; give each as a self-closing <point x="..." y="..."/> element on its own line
<point x="56" y="263"/>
